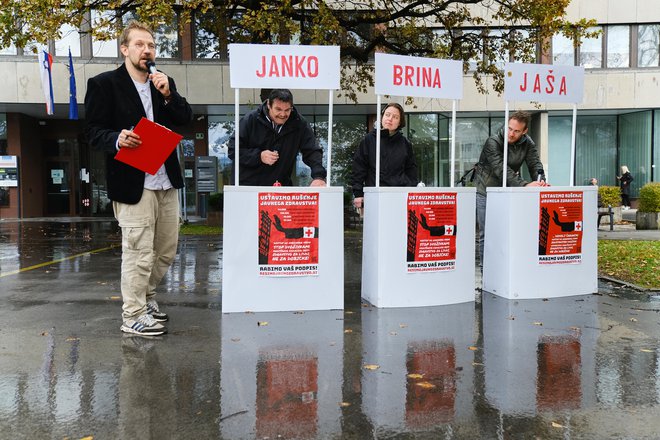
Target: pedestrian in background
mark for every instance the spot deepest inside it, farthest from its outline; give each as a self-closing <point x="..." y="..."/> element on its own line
<point x="624" y="182"/>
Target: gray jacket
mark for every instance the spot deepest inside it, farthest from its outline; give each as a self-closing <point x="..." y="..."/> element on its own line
<point x="489" y="168"/>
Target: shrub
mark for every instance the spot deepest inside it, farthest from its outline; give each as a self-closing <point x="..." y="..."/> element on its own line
<point x="649" y="197"/>
<point x="610" y="195"/>
<point x="216" y="201"/>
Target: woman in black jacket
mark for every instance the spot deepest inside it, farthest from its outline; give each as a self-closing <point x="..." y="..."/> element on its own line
<point x="624" y="181"/>
<point x="397" y="161"/>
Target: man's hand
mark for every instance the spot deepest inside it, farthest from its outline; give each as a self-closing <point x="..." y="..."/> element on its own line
<point x="538" y="183"/>
<point x="128" y="139"/>
<point x="161" y="82"/>
<point x="317" y="182"/>
<point x="269" y="157"/>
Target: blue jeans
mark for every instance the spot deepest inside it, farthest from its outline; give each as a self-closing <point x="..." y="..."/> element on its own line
<point x="481" y="224"/>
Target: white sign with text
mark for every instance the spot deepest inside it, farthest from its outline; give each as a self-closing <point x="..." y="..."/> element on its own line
<point x="543" y="83"/>
<point x="283" y="66"/>
<point x="401" y="75"/>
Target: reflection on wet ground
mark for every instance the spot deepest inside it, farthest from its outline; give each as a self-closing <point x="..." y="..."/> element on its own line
<point x="570" y="368"/>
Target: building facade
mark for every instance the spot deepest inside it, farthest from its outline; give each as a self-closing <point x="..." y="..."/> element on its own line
<point x="618" y="123"/>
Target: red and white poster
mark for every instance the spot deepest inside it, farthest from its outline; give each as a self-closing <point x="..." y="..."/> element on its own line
<point x="560" y="227"/>
<point x="288" y="234"/>
<point x="431" y="232"/>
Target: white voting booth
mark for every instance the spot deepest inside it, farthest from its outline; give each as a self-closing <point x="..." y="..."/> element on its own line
<point x="541" y="242"/>
<point x="418" y="246"/>
<point x="268" y="265"/>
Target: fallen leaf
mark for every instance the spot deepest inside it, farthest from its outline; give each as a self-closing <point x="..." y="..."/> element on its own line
<point x="348" y="312"/>
<point x="44" y="333"/>
<point x="633" y="319"/>
<point x="393" y="333"/>
<point x="348" y="330"/>
<point x="262" y="323"/>
<point x="235" y="339"/>
<point x="371" y="367"/>
<point x="299" y="313"/>
<point x="115" y="297"/>
<point x="477" y="364"/>
<point x="72" y="339"/>
<point x="344" y="404"/>
<point x="646" y="350"/>
<point x="557" y="425"/>
<point x="415" y="376"/>
<point x="403" y="325"/>
<point x="426" y="385"/>
<point x="511" y="317"/>
<point x="538" y="323"/>
<point x="89" y="437"/>
<point x="473" y="348"/>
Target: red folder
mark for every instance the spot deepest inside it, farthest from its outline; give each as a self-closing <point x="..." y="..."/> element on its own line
<point x="158" y="142"/>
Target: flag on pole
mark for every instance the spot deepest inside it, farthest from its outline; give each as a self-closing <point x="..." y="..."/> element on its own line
<point x="73" y="101"/>
<point x="46" y="64"/>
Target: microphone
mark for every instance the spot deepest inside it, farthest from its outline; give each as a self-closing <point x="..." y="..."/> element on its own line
<point x="151" y="66"/>
<point x="540" y="175"/>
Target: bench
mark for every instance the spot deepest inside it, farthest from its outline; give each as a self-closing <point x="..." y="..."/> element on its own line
<point x="606" y="211"/>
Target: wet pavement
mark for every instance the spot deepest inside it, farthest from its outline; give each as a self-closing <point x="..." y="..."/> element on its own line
<point x="582" y="367"/>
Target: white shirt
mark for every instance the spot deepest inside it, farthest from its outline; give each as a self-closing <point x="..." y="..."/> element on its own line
<point x="160" y="179"/>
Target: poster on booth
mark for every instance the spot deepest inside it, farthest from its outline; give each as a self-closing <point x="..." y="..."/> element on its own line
<point x="431" y="243"/>
<point x="560" y="227"/>
<point x="288" y="234"/>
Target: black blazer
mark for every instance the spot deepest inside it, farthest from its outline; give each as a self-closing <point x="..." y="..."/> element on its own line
<point x="112" y="103"/>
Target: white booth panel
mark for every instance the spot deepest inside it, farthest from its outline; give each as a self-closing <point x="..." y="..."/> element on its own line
<point x="385" y="280"/>
<point x="244" y="289"/>
<point x="511" y="249"/>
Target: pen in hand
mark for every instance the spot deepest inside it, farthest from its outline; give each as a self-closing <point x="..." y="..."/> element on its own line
<point x="129" y="139"/>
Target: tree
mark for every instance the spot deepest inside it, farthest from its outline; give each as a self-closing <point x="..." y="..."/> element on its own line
<point x="481" y="33"/>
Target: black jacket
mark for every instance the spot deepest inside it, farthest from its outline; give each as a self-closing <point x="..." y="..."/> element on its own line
<point x="397" y="162"/>
<point x="489" y="168"/>
<point x="112" y="103"/>
<point x="257" y="134"/>
<point x="624" y="183"/>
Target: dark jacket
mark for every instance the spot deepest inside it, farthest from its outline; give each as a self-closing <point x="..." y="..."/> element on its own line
<point x="257" y="134"/>
<point x="397" y="162"/>
<point x="112" y="103"/>
<point x="489" y="168"/>
<point x="624" y="182"/>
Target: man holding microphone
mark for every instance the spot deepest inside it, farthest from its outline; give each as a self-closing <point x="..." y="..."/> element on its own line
<point x="146" y="206"/>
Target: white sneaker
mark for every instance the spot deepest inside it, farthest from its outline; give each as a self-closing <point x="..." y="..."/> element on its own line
<point x="143" y="325"/>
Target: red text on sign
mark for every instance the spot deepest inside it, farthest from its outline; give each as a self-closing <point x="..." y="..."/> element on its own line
<point x="416" y="76"/>
<point x="545" y="85"/>
<point x="289" y="66"/>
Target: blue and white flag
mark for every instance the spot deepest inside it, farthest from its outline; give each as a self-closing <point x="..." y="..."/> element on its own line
<point x="73" y="101"/>
<point x="45" y="66"/>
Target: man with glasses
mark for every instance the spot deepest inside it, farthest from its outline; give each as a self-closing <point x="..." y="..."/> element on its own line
<point x="521" y="148"/>
<point x="146" y="206"/>
<point x="270" y="138"/>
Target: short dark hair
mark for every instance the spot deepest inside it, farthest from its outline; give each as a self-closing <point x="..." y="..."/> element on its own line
<point x="283" y="95"/>
<point x="522" y="117"/>
<point x="402" y="114"/>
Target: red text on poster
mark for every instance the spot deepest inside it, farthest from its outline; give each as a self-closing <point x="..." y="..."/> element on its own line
<point x="560" y="227"/>
<point x="431" y="243"/>
<point x="288" y="234"/>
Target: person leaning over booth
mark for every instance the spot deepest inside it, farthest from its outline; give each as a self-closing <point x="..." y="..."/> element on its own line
<point x="146" y="206"/>
<point x="397" y="160"/>
<point x="271" y="138"/>
<point x="521" y="149"/>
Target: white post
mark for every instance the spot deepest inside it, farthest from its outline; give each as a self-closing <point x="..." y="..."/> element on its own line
<point x="378" y="104"/>
<point x="573" y="129"/>
<point x="506" y="143"/>
<point x="452" y="167"/>
<point x="236" y="130"/>
<point x="329" y="136"/>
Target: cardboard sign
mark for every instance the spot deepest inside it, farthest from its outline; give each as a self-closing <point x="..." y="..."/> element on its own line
<point x="543" y="83"/>
<point x="283" y="66"/>
<point x="401" y="75"/>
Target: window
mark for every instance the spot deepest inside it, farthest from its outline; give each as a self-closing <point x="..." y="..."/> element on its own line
<point x="106" y="48"/>
<point x="563" y="51"/>
<point x="618" y="46"/>
<point x="591" y="51"/>
<point x="70" y="40"/>
<point x="635" y="147"/>
<point x="648" y="42"/>
<point x="423" y="134"/>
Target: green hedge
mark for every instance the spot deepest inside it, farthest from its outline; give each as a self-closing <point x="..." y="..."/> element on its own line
<point x="649" y="197"/>
<point x="610" y="195"/>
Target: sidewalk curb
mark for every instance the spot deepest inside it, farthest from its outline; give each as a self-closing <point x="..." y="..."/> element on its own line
<point x="630" y="285"/>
